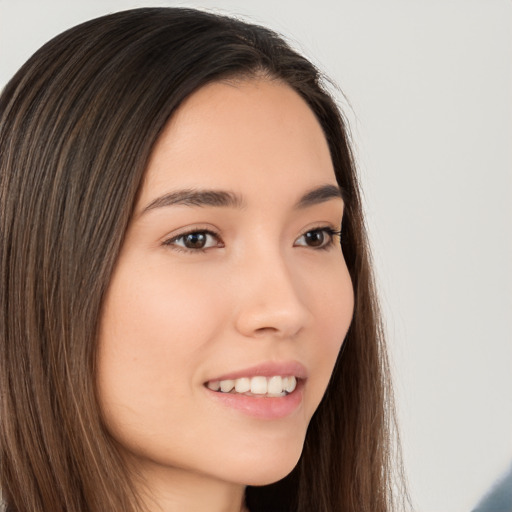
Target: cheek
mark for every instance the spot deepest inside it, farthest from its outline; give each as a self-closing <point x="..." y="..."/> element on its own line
<point x="333" y="310"/>
<point x="153" y="312"/>
<point x="153" y="331"/>
<point x="337" y="311"/>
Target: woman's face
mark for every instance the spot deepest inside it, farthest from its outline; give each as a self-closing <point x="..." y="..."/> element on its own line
<point x="231" y="274"/>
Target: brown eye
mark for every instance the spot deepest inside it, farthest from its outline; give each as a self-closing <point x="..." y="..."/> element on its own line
<point x="320" y="238"/>
<point x="194" y="241"/>
<point x="315" y="238"/>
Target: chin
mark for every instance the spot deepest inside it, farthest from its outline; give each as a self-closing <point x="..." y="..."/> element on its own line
<point x="267" y="468"/>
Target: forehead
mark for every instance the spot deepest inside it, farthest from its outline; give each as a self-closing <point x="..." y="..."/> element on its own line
<point x="243" y="133"/>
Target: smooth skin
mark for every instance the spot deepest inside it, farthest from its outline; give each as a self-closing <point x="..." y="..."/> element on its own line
<point x="260" y="279"/>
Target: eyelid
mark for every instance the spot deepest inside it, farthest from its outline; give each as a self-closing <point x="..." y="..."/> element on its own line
<point x="324" y="226"/>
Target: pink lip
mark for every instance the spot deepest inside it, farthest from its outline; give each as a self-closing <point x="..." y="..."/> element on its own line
<point x="268" y="369"/>
<point x="263" y="407"/>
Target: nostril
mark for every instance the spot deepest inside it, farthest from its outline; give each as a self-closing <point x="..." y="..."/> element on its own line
<point x="266" y="330"/>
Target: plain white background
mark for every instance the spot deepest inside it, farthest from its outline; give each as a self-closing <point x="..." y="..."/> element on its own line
<point x="429" y="85"/>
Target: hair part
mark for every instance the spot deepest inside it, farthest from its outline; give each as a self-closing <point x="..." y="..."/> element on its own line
<point x="77" y="126"/>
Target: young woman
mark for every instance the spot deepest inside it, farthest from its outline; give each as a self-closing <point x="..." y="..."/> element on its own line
<point x="188" y="320"/>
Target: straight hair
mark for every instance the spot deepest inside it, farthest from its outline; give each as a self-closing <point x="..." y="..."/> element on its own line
<point x="78" y="123"/>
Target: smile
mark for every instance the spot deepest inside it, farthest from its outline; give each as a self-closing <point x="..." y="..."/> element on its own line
<point x="274" y="386"/>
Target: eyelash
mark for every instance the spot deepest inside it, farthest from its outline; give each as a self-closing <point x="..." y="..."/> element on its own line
<point x="171" y="242"/>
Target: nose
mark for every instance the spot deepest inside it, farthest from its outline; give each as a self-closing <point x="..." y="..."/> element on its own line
<point x="270" y="299"/>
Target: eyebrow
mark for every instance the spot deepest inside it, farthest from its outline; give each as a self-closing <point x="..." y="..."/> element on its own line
<point x="222" y="198"/>
<point x="319" y="195"/>
<point x="195" y="197"/>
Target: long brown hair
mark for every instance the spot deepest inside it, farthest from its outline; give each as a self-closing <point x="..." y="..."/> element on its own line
<point x="77" y="125"/>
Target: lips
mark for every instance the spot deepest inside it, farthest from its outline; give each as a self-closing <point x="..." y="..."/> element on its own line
<point x="267" y="391"/>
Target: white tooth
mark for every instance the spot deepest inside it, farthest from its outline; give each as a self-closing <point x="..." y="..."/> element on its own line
<point x="291" y="384"/>
<point x="242" y="385"/>
<point x="259" y="385"/>
<point x="214" y="385"/>
<point x="227" y="385"/>
<point x="275" y="385"/>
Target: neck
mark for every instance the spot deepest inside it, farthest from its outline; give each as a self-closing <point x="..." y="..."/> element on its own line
<point x="175" y="491"/>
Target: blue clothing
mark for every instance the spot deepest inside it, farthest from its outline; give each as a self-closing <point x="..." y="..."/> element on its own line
<point x="499" y="498"/>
